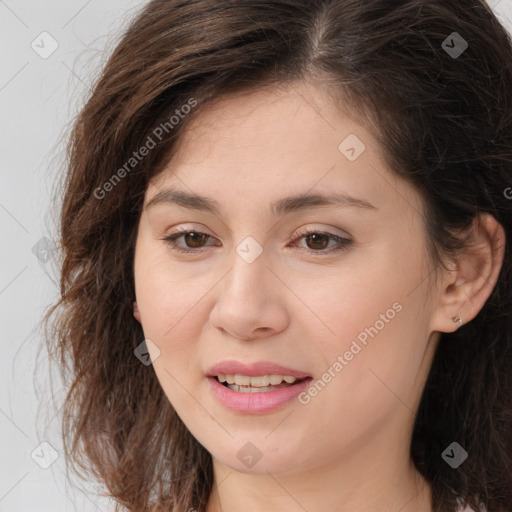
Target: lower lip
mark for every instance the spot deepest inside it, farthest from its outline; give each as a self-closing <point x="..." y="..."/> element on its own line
<point x="254" y="403"/>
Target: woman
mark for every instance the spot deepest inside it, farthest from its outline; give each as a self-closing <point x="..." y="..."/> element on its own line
<point x="286" y="284"/>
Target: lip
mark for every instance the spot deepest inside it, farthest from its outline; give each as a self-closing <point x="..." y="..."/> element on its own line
<point x="253" y="370"/>
<point x="256" y="403"/>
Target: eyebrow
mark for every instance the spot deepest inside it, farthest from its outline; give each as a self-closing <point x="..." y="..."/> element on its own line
<point x="278" y="208"/>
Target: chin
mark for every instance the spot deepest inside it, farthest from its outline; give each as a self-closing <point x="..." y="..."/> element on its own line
<point x="258" y="458"/>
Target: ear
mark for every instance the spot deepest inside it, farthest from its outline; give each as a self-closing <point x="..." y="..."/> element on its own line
<point x="466" y="288"/>
<point x="136" y="312"/>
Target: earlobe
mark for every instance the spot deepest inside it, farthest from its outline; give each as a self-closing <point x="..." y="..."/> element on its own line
<point x="136" y="312"/>
<point x="467" y="288"/>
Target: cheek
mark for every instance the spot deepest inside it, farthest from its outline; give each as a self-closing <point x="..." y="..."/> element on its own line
<point x="357" y="390"/>
<point x="369" y="340"/>
<point x="342" y="302"/>
<point x="171" y="298"/>
<point x="166" y="291"/>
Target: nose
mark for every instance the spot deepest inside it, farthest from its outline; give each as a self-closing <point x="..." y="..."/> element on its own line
<point x="250" y="302"/>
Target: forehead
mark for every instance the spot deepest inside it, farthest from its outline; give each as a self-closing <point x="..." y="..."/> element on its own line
<point x="265" y="119"/>
<point x="270" y="143"/>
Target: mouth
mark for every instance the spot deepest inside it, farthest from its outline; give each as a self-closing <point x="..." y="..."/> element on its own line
<point x="264" y="394"/>
<point x="257" y="384"/>
<point x="255" y="388"/>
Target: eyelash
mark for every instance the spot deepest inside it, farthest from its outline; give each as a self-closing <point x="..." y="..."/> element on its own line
<point x="344" y="243"/>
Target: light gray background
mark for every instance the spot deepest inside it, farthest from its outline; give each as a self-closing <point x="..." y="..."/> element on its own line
<point x="38" y="99"/>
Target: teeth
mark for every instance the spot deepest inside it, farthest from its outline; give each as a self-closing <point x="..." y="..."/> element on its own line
<point x="256" y="382"/>
<point x="242" y="380"/>
<point x="249" y="389"/>
<point x="261" y="381"/>
<point x="276" y="379"/>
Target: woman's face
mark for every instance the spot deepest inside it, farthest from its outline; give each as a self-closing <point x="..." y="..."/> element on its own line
<point x="353" y="313"/>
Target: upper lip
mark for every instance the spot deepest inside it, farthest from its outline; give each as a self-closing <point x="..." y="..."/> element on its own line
<point x="253" y="369"/>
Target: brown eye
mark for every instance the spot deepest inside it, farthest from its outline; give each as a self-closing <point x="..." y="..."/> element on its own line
<point x="319" y="241"/>
<point x="194" y="239"/>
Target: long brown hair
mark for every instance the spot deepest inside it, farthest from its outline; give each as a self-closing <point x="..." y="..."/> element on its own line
<point x="445" y="125"/>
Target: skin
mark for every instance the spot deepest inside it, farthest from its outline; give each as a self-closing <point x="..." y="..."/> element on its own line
<point x="348" y="448"/>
